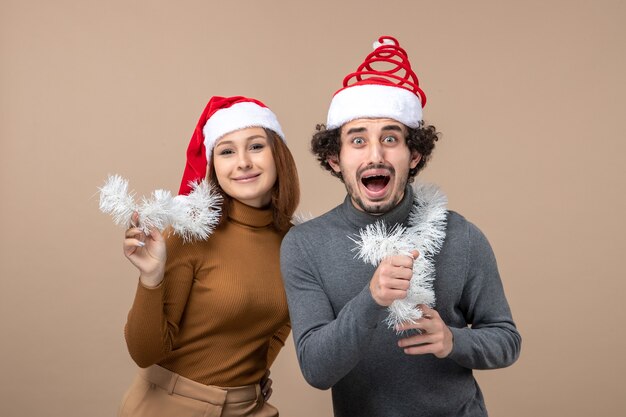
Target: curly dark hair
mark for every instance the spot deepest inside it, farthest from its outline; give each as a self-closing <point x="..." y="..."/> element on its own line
<point x="327" y="143"/>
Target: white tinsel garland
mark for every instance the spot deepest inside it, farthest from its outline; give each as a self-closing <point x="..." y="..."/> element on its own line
<point x="192" y="217"/>
<point x="300" y="217"/>
<point x="425" y="233"/>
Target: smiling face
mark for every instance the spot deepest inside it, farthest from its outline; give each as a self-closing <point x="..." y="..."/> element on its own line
<point x="244" y="166"/>
<point x="374" y="162"/>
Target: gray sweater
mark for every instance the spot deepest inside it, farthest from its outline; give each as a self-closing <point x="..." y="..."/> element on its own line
<point x="342" y="343"/>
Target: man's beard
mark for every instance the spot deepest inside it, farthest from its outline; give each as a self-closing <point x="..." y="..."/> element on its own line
<point x="376" y="209"/>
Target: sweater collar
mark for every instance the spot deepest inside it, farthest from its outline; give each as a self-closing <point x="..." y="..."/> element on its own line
<point x="397" y="215"/>
<point x="250" y="216"/>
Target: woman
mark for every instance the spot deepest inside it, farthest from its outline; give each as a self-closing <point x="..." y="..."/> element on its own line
<point x="209" y="317"/>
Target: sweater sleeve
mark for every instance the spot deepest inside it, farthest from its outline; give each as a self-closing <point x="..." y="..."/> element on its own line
<point x="154" y="318"/>
<point x="327" y="346"/>
<point x="277" y="342"/>
<point x="492" y="341"/>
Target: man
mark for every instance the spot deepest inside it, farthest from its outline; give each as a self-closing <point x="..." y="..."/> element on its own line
<point x="458" y="318"/>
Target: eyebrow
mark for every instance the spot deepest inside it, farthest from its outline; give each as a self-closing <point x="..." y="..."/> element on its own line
<point x="356" y="130"/>
<point x="394" y="128"/>
<point x="248" y="139"/>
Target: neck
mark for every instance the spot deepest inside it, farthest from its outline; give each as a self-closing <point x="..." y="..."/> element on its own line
<point x="397" y="214"/>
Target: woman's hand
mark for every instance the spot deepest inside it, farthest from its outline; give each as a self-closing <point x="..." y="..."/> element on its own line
<point x="266" y="385"/>
<point x="146" y="252"/>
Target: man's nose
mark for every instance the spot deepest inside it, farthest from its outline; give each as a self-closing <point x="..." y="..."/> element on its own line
<point x="376" y="153"/>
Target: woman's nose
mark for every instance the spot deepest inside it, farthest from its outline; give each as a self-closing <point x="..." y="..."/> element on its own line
<point x="244" y="161"/>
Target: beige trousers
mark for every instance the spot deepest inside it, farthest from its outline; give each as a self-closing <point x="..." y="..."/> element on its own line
<point x="157" y="392"/>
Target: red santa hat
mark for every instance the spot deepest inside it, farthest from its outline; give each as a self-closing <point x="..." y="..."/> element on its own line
<point x="222" y="115"/>
<point x="373" y="92"/>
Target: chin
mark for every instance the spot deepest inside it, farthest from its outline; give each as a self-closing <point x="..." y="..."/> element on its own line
<point x="380" y="209"/>
<point x="375" y="207"/>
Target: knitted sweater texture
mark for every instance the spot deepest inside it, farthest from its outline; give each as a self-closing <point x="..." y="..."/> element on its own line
<point x="343" y="344"/>
<point x="220" y="315"/>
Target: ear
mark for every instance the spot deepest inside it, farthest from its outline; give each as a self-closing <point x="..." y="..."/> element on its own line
<point x="416" y="157"/>
<point x="333" y="161"/>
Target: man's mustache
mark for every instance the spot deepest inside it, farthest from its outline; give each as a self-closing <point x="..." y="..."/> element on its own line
<point x="389" y="168"/>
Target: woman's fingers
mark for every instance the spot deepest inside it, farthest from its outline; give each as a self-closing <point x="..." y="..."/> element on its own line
<point x="134" y="232"/>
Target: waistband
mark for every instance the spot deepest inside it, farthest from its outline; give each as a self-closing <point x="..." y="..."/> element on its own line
<point x="174" y="383"/>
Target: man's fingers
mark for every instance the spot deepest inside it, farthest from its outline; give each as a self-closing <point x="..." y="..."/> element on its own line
<point x="393" y="294"/>
<point x="425" y="343"/>
<point x="427" y="323"/>
<point x="398" y="284"/>
<point x="402" y="273"/>
<point x="389" y="272"/>
<point x="420" y="339"/>
<point x="398" y="294"/>
<point x="417" y="325"/>
<point x="427" y="312"/>
<point x="414" y="340"/>
<point x="419" y="349"/>
<point x="403" y="261"/>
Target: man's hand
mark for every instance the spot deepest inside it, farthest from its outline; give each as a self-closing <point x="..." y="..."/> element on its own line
<point x="391" y="279"/>
<point x="435" y="337"/>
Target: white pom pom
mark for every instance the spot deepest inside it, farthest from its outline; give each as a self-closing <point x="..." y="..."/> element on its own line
<point x="117" y="201"/>
<point x="377" y="44"/>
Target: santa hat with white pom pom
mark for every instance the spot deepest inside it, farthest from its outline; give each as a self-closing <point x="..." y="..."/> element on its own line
<point x="383" y="86"/>
<point x="195" y="212"/>
<point x="222" y="115"/>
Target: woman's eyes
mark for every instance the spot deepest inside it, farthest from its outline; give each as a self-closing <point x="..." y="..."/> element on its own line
<point x="255" y="147"/>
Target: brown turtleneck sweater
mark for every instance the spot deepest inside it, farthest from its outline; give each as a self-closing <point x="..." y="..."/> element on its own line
<point x="220" y="315"/>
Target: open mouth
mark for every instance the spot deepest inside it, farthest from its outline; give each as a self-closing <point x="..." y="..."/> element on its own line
<point x="375" y="183"/>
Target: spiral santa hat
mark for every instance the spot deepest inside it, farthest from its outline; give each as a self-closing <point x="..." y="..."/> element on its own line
<point x="222" y="115"/>
<point x="383" y="86"/>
